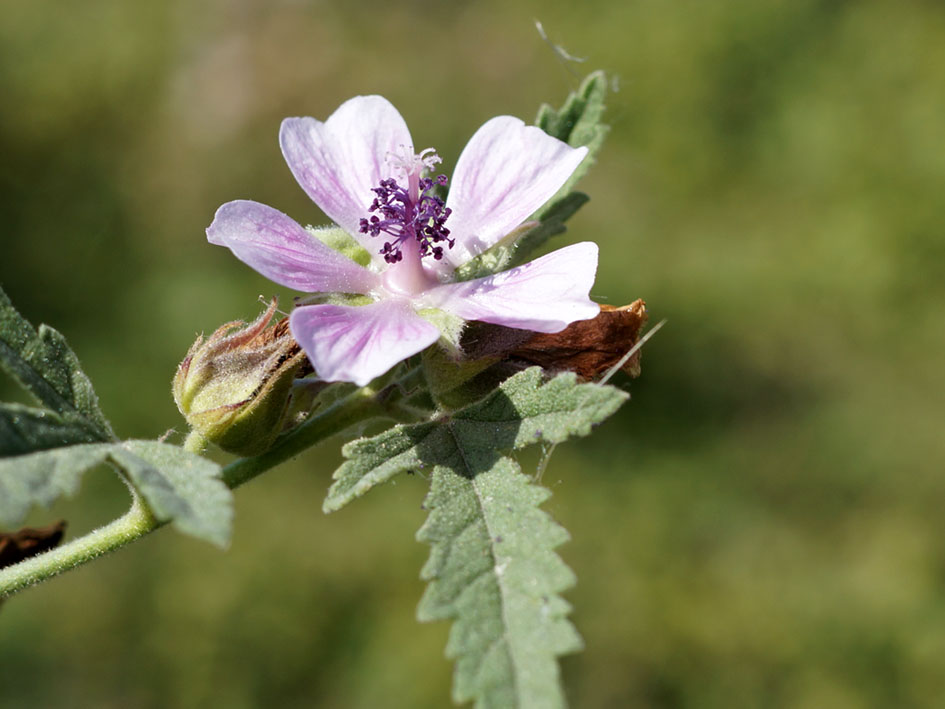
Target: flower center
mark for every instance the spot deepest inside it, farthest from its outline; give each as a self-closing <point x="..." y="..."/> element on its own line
<point x="411" y="212"/>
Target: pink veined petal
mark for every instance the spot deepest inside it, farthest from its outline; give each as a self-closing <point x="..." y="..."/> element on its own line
<point x="506" y="172"/>
<point x="281" y="250"/>
<point x="340" y="161"/>
<point x="357" y="344"/>
<point x="545" y="295"/>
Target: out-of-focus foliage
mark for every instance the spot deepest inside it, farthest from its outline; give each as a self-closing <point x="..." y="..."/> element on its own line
<point x="759" y="526"/>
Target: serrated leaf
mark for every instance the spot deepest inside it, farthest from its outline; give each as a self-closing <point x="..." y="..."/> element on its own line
<point x="375" y="460"/>
<point x="24" y="429"/>
<point x="523" y="410"/>
<point x="578" y="123"/>
<point x="44" y="365"/>
<point x="492" y="568"/>
<point x="528" y="409"/>
<point x="179" y="487"/>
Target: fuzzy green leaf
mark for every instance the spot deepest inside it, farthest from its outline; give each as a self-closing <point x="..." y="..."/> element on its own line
<point x="43" y="364"/>
<point x="578" y="123"/>
<point x="178" y="486"/>
<point x="24" y="429"/>
<point x="492" y="567"/>
<point x="523" y="410"/>
<point x="528" y="409"/>
<point x="41" y="478"/>
<point x="375" y="460"/>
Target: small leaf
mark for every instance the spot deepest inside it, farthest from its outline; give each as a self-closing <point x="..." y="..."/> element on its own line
<point x="375" y="460"/>
<point x="179" y="487"/>
<point x="42" y="363"/>
<point x="24" y="429"/>
<point x="492" y="568"/>
<point x="578" y="123"/>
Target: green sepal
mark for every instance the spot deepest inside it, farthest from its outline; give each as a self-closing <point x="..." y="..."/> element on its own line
<point x="551" y="225"/>
<point x="249" y="427"/>
<point x="450" y="326"/>
<point x="234" y="386"/>
<point x="341" y="241"/>
<point x="497" y="257"/>
<point x="354" y="300"/>
<point x="451" y="381"/>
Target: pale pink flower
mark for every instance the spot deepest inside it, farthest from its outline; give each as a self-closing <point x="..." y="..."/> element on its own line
<point x="361" y="169"/>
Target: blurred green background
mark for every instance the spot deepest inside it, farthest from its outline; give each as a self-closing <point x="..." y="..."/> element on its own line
<point x="760" y="527"/>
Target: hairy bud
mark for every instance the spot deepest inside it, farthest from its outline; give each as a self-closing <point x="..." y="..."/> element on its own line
<point x="234" y="386"/>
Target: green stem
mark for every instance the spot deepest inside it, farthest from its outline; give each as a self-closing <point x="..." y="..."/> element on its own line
<point x="195" y="442"/>
<point x="138" y="521"/>
<point x="134" y="524"/>
<point x="355" y="408"/>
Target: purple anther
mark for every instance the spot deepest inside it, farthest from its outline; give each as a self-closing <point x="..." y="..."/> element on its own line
<point x="403" y="217"/>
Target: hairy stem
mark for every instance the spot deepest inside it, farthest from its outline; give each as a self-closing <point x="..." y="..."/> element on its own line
<point x="132" y="525"/>
<point x="358" y="407"/>
<point x="355" y="408"/>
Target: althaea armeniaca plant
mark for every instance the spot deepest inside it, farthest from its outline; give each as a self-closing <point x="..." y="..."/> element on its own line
<point x="361" y="169"/>
<point x="403" y="270"/>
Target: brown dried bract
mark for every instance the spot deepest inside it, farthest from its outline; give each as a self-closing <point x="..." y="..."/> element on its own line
<point x="277" y="332"/>
<point x="589" y="347"/>
<point x="27" y="542"/>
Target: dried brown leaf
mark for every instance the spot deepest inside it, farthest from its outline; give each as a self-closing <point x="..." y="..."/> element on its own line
<point x="589" y="347"/>
<point x="29" y="541"/>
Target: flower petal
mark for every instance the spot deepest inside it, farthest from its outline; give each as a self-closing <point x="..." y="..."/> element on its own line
<point x="339" y="161"/>
<point x="282" y="251"/>
<point x="357" y="344"/>
<point x="545" y="295"/>
<point x="506" y="172"/>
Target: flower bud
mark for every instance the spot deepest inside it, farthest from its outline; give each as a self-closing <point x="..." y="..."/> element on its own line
<point x="234" y="387"/>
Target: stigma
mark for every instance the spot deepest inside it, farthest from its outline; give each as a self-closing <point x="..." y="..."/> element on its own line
<point x="411" y="211"/>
